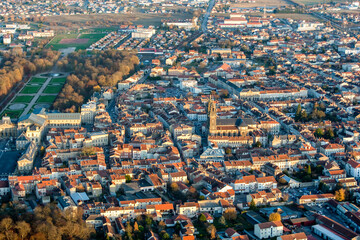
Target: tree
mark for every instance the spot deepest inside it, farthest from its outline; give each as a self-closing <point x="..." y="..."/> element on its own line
<point x="282" y="181"/>
<point x="298" y="113"/>
<point x="148" y="221"/>
<point x="5" y="225"/>
<point x="176" y="237"/>
<point x="228" y="151"/>
<point x="202" y="218"/>
<point x="23" y="229"/>
<point x="308" y="170"/>
<point x="174" y="187"/>
<point x="274" y="217"/>
<point x="97" y="88"/>
<point x="340" y="195"/>
<point x="285" y="197"/>
<point x="87" y="151"/>
<point x="192" y="193"/>
<point x="230" y="214"/>
<point x="252" y="205"/>
<point x="222" y="221"/>
<point x="128" y="228"/>
<point x="128" y="178"/>
<point x="258" y="144"/>
<point x="304" y="115"/>
<point x="136" y="227"/>
<point x="211" y="231"/>
<point x="161" y="225"/>
<point x="329" y="133"/>
<point x="319" y="133"/>
<point x="164" y="235"/>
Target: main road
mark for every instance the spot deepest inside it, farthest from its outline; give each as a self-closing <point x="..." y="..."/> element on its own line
<point x="207" y="15"/>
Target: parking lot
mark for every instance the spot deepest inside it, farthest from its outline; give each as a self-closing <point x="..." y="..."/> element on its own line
<point x="8" y="160"/>
<point x="295" y="193"/>
<point x="8" y="157"/>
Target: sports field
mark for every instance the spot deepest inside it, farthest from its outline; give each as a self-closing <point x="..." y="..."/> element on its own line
<point x="80" y="41"/>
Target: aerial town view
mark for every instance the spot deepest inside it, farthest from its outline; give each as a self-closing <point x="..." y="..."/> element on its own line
<point x="179" y="119"/>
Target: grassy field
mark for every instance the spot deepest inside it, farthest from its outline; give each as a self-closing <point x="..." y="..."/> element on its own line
<point x="56" y="45"/>
<point x="261" y="3"/>
<point x="30" y="89"/>
<point x="22" y="99"/>
<point x="46" y="99"/>
<point x="57" y="80"/>
<point x="53" y="89"/>
<point x="12" y="113"/>
<point x="295" y="16"/>
<point x="37" y="80"/>
<point x="312" y="2"/>
<point x="106" y="22"/>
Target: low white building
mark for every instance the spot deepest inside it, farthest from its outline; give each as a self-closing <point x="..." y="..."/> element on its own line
<point x="353" y="169"/>
<point x="268" y="229"/>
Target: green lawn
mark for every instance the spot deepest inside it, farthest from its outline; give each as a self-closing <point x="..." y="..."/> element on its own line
<point x="53" y="89"/>
<point x="56" y="45"/>
<point x="46" y="99"/>
<point x="30" y="89"/>
<point x="22" y="99"/>
<point x="37" y="80"/>
<point x="12" y="113"/>
<point x="58" y="80"/>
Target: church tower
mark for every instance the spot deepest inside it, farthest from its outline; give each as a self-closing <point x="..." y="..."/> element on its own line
<point x="212" y="117"/>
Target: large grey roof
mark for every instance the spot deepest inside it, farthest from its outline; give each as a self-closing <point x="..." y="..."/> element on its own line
<point x="228" y="122"/>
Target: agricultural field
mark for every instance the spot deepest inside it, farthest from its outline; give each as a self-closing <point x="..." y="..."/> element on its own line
<point x="261" y="3"/>
<point x="312" y="2"/>
<point x="295" y="16"/>
<point x="79" y="41"/>
<point x="104" y="23"/>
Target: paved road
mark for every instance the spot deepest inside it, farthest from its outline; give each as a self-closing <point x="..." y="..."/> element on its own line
<point x="206" y="16"/>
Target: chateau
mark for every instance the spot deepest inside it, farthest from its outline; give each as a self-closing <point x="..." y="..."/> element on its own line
<point x="34" y="125"/>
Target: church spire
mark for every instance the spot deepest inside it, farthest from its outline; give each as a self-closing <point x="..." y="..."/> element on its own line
<point x="212" y="116"/>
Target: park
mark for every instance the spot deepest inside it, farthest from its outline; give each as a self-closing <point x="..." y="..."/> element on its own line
<point x="39" y="92"/>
